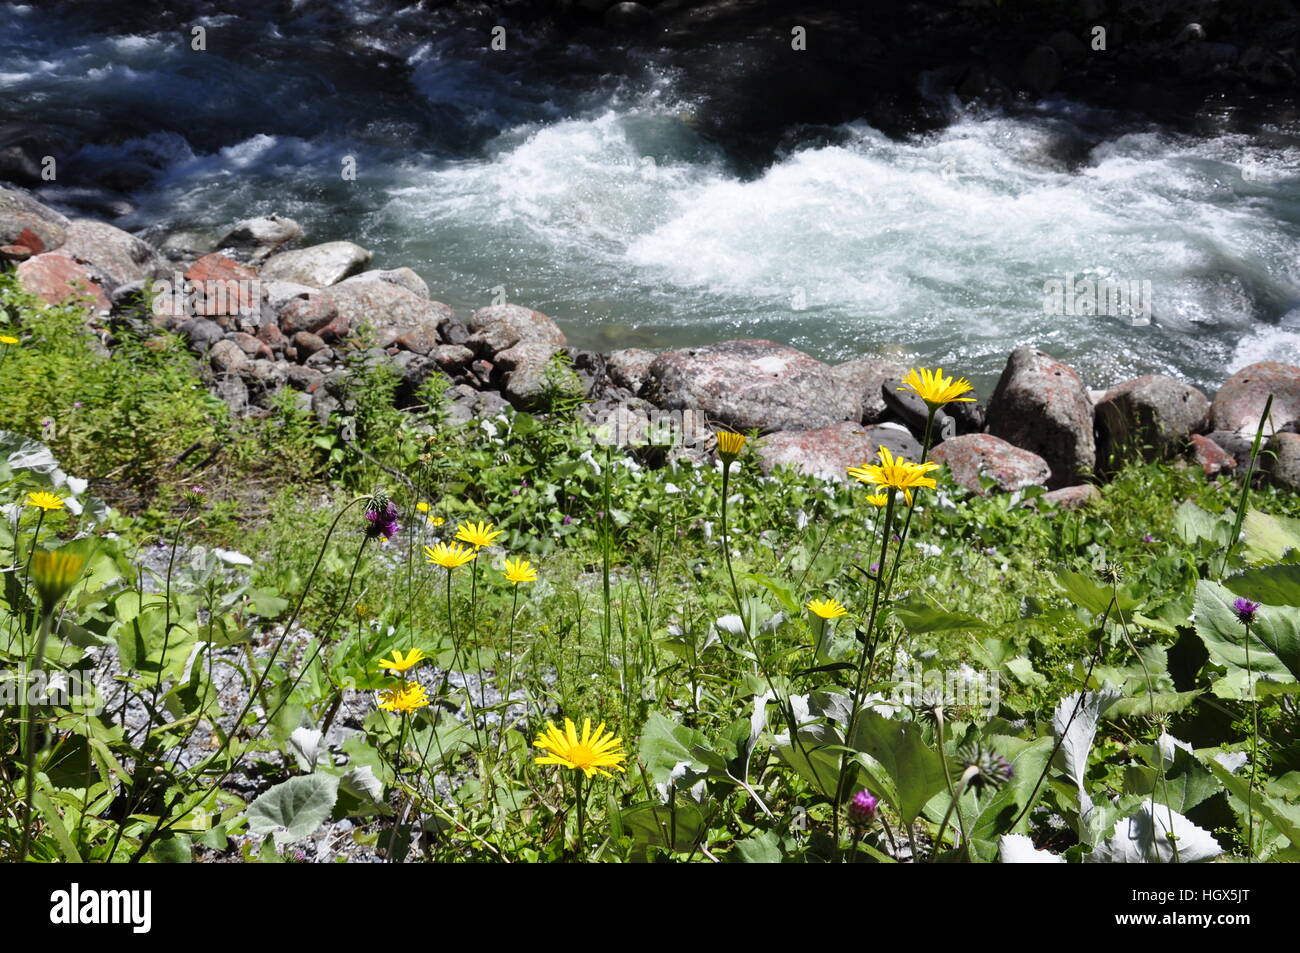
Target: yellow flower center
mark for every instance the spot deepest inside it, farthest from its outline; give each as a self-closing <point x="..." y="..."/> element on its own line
<point x="581" y="756"/>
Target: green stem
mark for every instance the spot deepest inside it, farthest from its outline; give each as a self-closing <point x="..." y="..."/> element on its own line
<point x="1245" y="485"/>
<point x="29" y="755"/>
<point x="1254" y="754"/>
<point x="954" y="796"/>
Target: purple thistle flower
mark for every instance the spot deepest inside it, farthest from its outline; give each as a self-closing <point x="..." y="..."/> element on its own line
<point x="862" y="809"/>
<point x="1245" y="610"/>
<point x="567" y="520"/>
<point x="1148" y="538"/>
<point x="874" y="568"/>
<point x="383" y="521"/>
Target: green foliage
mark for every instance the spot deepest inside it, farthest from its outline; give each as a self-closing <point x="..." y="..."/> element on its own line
<point x="1129" y="697"/>
<point x="124" y="416"/>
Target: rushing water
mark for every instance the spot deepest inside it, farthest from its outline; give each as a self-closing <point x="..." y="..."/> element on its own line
<point x="598" y="202"/>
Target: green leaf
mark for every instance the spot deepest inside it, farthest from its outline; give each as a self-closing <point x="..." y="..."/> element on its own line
<point x="1090" y="594"/>
<point x="294" y="809"/>
<point x="1275" y="585"/>
<point x="1285" y="817"/>
<point x="1145" y="837"/>
<point x="665" y="745"/>
<point x="913" y="766"/>
<point x="677" y="827"/>
<point x="1187" y="781"/>
<point x="1027" y="765"/>
<point x="1160" y="703"/>
<point x="783" y="591"/>
<point x="1193" y="523"/>
<point x="764" y="848"/>
<point x="920" y="615"/>
<point x="1269" y="538"/>
<point x="174" y="849"/>
<point x="1274" y="640"/>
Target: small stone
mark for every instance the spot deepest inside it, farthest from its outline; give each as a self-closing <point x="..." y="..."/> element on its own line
<point x="1212" y="457"/>
<point x="307" y="344"/>
<point x="227" y="357"/>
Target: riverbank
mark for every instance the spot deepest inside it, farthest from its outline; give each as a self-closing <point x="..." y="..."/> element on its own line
<point x="268" y="314"/>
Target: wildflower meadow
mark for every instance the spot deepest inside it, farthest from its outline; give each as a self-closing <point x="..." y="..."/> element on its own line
<point x="510" y="640"/>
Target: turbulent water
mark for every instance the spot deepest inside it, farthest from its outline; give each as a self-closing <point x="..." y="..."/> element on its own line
<point x="597" y="201"/>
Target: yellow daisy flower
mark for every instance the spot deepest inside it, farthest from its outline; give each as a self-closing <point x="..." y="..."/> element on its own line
<point x="477" y="535"/>
<point x="518" y="570"/>
<point x="933" y="388"/>
<point x="590" y="754"/>
<point x="729" y="445"/>
<point x="422" y="507"/>
<point x="449" y="555"/>
<point x="436" y="521"/>
<point x="8" y="339"/>
<point x="826" y="608"/>
<point x="878" y="499"/>
<point x="400" y="662"/>
<point x="896" y="472"/>
<point x="405" y="698"/>
<point x="45" y="501"/>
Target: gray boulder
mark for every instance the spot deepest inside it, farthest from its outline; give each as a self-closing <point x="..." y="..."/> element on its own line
<point x="521" y="343"/>
<point x="866" y="376"/>
<point x="827" y="453"/>
<point x="263" y="234"/>
<point x="1240" y="401"/>
<point x="402" y="277"/>
<point x="1042" y="405"/>
<point x="25" y="221"/>
<point x="394" y="314"/>
<point x="1283" y="460"/>
<point x="119" y="256"/>
<point x="317" y="265"/>
<point x="628" y="367"/>
<point x="1150" y="416"/>
<point x="973" y="456"/>
<point x="750" y="384"/>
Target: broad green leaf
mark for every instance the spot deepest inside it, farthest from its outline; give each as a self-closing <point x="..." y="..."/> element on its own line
<point x="1092" y="595"/>
<point x="1285" y="817"/>
<point x="1274" y="640"/>
<point x="665" y="745"/>
<point x="294" y="809"/>
<point x="1269" y="538"/>
<point x="174" y="849"/>
<point x="920" y="615"/>
<point x="1192" y="523"/>
<point x="913" y="766"/>
<point x="995" y="815"/>
<point x="1274" y="585"/>
<point x="1160" y="703"/>
<point x="1187" y="781"/>
<point x="1144" y="837"/>
<point x="677" y="827"/>
<point x="764" y="848"/>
